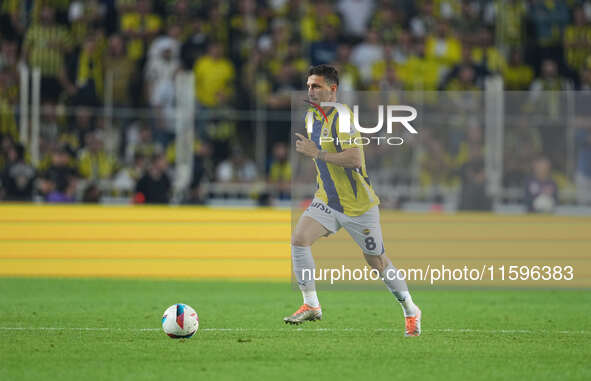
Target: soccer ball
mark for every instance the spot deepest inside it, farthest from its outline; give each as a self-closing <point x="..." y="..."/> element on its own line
<point x="180" y="321"/>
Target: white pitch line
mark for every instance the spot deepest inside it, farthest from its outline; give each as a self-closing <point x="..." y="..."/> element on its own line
<point x="299" y="329"/>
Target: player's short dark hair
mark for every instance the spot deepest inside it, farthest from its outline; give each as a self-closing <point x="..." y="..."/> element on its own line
<point x="330" y="74"/>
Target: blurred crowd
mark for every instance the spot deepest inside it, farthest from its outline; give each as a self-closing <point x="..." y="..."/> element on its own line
<point x="250" y="54"/>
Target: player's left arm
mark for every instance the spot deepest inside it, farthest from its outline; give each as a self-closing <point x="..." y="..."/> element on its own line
<point x="348" y="158"/>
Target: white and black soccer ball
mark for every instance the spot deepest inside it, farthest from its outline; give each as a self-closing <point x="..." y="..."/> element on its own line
<point x="180" y="321"/>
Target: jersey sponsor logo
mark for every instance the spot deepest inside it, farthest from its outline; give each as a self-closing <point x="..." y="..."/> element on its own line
<point x="320" y="206"/>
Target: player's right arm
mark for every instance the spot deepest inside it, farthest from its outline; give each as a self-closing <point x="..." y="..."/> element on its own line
<point x="348" y="158"/>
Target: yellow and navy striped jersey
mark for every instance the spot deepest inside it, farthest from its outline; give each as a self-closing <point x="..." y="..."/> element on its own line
<point x="46" y="47"/>
<point x="346" y="190"/>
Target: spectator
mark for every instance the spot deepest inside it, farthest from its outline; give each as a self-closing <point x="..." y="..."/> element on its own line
<point x="214" y="77"/>
<point x="423" y="22"/>
<point x="18" y="177"/>
<point x="45" y="46"/>
<point x="420" y="72"/>
<point x="9" y="55"/>
<point x="49" y="129"/>
<point x="466" y="75"/>
<point x="140" y="142"/>
<point x="74" y="134"/>
<point x="436" y="163"/>
<point x="472" y="144"/>
<point x="523" y="143"/>
<point x="247" y="20"/>
<point x="63" y="192"/>
<point x="356" y="16"/>
<point x="202" y="171"/>
<point x="387" y="65"/>
<point x="349" y="76"/>
<point x="5" y="146"/>
<point x="127" y="177"/>
<point x="60" y="169"/>
<point x="12" y="25"/>
<point x="91" y="194"/>
<point x="90" y="68"/>
<point x="469" y="22"/>
<point x="161" y="68"/>
<point x="517" y="74"/>
<point x="366" y="54"/>
<point x="465" y="80"/>
<point x="586" y="75"/>
<point x="163" y="62"/>
<point x="549" y="18"/>
<point x="121" y="68"/>
<point x="237" y="168"/>
<point x="274" y="46"/>
<point x="83" y="16"/>
<point x="388" y="21"/>
<point x="324" y="51"/>
<point x="94" y="163"/>
<point x="550" y="80"/>
<point x="509" y="19"/>
<point x="448" y="9"/>
<point x="58" y="182"/>
<point x="217" y="25"/>
<point x="139" y="26"/>
<point x="8" y="93"/>
<point x="546" y="97"/>
<point x="154" y="187"/>
<point x="541" y="192"/>
<point x="60" y="9"/>
<point x="577" y="40"/>
<point x="194" y="45"/>
<point x="317" y="14"/>
<point x="279" y="176"/>
<point x="402" y="48"/>
<point x="182" y="13"/>
<point x="583" y="171"/>
<point x="474" y="195"/>
<point x="388" y="81"/>
<point x="443" y="45"/>
<point x="485" y="53"/>
<point x="284" y="84"/>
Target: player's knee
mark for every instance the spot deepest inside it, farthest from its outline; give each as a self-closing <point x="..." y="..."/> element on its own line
<point x="378" y="262"/>
<point x="300" y="240"/>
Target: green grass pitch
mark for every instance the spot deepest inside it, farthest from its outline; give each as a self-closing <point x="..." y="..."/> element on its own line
<point x="96" y="329"/>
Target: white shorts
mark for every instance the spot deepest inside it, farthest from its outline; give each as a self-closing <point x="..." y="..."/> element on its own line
<point x="364" y="229"/>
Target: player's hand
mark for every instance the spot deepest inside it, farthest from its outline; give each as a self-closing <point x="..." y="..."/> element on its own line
<point x="306" y="146"/>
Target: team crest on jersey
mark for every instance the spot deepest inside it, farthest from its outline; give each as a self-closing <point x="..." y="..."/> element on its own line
<point x="366" y="231"/>
<point x="325" y="132"/>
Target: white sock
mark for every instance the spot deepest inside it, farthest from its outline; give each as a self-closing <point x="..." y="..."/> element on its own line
<point x="301" y="257"/>
<point x="310" y="298"/>
<point x="408" y="306"/>
<point x="399" y="289"/>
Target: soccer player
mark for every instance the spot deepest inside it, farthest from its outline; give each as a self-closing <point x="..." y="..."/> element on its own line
<point x="345" y="198"/>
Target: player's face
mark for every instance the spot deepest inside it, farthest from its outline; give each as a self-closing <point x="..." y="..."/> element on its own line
<point x="319" y="90"/>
